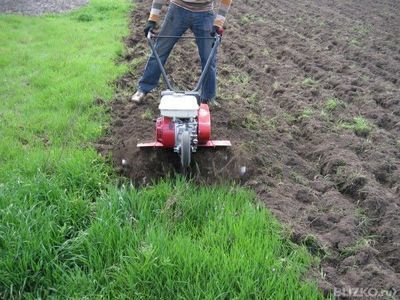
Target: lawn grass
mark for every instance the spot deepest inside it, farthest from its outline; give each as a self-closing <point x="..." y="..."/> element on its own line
<point x="66" y="229"/>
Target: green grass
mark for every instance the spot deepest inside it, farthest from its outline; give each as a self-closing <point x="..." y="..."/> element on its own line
<point x="240" y="79"/>
<point x="148" y="115"/>
<point x="356" y="247"/>
<point x="364" y="29"/>
<point x="306" y="113"/>
<point x="247" y="19"/>
<point x="308" y="82"/>
<point x="354" y="43"/>
<point x="52" y="69"/>
<point x="290" y="119"/>
<point x="66" y="230"/>
<point x="170" y="241"/>
<point x="359" y="125"/>
<point x="331" y="104"/>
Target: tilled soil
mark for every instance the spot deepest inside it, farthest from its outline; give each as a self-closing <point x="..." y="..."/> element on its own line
<point x="338" y="189"/>
<point x="38" y="7"/>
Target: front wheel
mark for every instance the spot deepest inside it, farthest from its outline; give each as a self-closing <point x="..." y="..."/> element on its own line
<point x="186" y="150"/>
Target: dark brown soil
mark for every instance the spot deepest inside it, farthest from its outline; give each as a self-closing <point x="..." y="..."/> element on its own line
<point x="338" y="189"/>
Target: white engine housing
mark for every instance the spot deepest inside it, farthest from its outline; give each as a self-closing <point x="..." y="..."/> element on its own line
<point x="176" y="105"/>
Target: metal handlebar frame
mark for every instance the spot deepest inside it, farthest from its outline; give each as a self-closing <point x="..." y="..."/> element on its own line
<point x="151" y="36"/>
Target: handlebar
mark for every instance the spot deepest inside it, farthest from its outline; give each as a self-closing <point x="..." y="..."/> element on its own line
<point x="152" y="36"/>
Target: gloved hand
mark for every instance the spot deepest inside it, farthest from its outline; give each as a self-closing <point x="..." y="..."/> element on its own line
<point x="217" y="30"/>
<point x="149" y="27"/>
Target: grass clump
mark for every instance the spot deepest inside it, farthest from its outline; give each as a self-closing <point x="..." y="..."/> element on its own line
<point x="332" y="104"/>
<point x="148" y="115"/>
<point x="311" y="242"/>
<point x="306" y="113"/>
<point x="308" y="82"/>
<point x="85" y="18"/>
<point x="363" y="29"/>
<point x="354" y="43"/>
<point x="247" y="19"/>
<point x="360" y="244"/>
<point x="290" y="119"/>
<point x="359" y="125"/>
<point x="363" y="221"/>
<point x="254" y="122"/>
<point x="240" y="79"/>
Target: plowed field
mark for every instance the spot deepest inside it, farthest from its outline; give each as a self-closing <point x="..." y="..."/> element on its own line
<point x="310" y="98"/>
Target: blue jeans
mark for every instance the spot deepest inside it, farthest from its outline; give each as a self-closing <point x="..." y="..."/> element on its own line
<point x="176" y="22"/>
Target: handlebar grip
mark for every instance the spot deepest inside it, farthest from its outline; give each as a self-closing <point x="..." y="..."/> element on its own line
<point x="152" y="35"/>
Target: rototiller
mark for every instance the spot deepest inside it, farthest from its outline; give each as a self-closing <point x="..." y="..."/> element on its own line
<point x="185" y="123"/>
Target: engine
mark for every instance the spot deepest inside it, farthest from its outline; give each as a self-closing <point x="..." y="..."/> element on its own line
<point x="169" y="130"/>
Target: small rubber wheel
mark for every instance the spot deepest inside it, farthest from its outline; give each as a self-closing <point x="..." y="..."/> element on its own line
<point x="186" y="150"/>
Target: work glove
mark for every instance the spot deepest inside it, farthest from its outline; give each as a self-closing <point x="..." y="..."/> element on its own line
<point x="149" y="27"/>
<point x="217" y="30"/>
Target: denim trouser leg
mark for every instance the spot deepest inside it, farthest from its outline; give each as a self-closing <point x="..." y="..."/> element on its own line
<point x="175" y="24"/>
<point x="201" y="28"/>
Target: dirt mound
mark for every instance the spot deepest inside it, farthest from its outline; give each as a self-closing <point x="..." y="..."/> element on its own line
<point x="310" y="100"/>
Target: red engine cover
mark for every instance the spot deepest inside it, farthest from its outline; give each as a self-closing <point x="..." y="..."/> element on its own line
<point x="204" y="120"/>
<point x="165" y="132"/>
<point x="165" y="128"/>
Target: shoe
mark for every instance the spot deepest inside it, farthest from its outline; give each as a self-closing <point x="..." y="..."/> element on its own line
<point x="138" y="96"/>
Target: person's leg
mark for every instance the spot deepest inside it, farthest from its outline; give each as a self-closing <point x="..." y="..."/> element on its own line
<point x="201" y="28"/>
<point x="175" y="24"/>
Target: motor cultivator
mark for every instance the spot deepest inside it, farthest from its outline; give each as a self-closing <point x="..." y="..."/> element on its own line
<point x="185" y="123"/>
